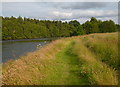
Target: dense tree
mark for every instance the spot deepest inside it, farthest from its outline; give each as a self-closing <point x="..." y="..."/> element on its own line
<point x="25" y="28"/>
<point x="93" y="20"/>
<point x="75" y="23"/>
<point x="95" y="27"/>
<point x="88" y="27"/>
<point x="118" y="27"/>
<point x="107" y="26"/>
<point x="78" y="29"/>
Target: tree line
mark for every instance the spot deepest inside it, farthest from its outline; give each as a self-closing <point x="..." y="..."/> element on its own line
<point x="26" y="28"/>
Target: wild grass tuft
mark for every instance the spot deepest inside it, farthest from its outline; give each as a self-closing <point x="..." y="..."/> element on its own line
<point x="79" y="60"/>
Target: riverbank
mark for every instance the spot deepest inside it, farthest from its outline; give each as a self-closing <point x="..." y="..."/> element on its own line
<point x="16" y="49"/>
<point x="35" y="39"/>
<point x="80" y="60"/>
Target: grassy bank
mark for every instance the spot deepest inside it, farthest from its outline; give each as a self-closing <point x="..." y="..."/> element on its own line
<point x="82" y="60"/>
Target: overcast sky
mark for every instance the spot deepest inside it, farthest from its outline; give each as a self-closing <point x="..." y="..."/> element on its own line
<point x="65" y="11"/>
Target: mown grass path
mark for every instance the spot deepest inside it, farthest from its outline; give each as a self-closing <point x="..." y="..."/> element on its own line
<point x="65" y="69"/>
<point x="84" y="60"/>
<point x="78" y="65"/>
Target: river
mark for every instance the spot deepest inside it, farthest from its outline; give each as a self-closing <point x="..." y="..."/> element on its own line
<point x="13" y="49"/>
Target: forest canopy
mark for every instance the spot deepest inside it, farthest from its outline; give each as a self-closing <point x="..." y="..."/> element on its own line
<point x="26" y="28"/>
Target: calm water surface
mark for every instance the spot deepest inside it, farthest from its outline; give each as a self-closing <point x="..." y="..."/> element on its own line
<point x="15" y="48"/>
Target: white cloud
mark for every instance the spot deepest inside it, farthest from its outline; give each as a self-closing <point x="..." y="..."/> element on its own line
<point x="115" y="19"/>
<point x="47" y="11"/>
<point x="62" y="14"/>
<point x="95" y="13"/>
<point x="83" y="20"/>
<point x="81" y="5"/>
<point x="73" y="14"/>
<point x="84" y="15"/>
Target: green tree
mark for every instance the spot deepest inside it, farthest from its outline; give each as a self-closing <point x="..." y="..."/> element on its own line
<point x="78" y="29"/>
<point x="93" y="20"/>
<point x="107" y="26"/>
<point x="24" y="28"/>
<point x="87" y="27"/>
<point x="95" y="26"/>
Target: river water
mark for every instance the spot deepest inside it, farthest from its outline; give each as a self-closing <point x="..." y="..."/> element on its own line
<point x="13" y="49"/>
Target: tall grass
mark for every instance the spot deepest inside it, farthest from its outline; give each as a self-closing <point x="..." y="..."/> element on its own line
<point x="105" y="47"/>
<point x="93" y="69"/>
<point x="30" y="69"/>
<point x="79" y="60"/>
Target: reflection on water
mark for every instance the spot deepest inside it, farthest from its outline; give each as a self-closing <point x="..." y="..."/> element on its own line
<point x="15" y="49"/>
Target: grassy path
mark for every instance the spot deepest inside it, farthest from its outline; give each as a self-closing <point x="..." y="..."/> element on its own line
<point x="77" y="65"/>
<point x="65" y="69"/>
<point x="84" y="60"/>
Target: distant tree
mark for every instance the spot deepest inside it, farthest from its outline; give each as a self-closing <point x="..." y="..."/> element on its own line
<point x="20" y="20"/>
<point x="95" y="26"/>
<point x="20" y="28"/>
<point x="75" y="23"/>
<point x="118" y="27"/>
<point x="107" y="26"/>
<point x="87" y="27"/>
<point x="93" y="20"/>
<point x="78" y="29"/>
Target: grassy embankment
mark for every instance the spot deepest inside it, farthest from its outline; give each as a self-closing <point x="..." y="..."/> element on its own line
<point x="81" y="60"/>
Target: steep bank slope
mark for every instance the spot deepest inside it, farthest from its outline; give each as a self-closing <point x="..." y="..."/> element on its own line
<point x="82" y="60"/>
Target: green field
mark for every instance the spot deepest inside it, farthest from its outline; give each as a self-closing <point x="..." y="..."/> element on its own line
<point x="79" y="60"/>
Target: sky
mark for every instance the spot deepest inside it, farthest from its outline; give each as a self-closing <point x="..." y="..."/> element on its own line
<point x="80" y="10"/>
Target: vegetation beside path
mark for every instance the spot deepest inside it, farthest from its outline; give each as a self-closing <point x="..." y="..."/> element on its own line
<point x="79" y="60"/>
